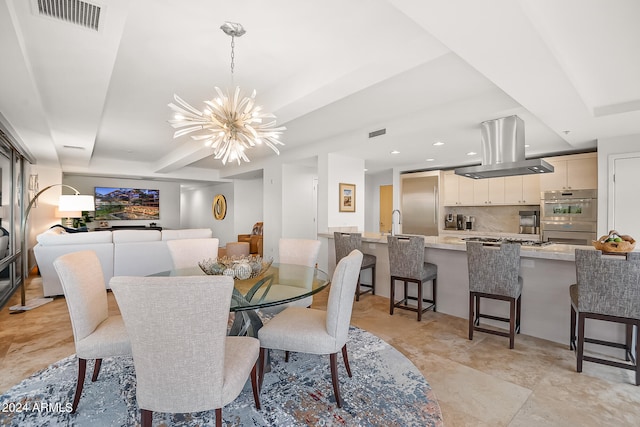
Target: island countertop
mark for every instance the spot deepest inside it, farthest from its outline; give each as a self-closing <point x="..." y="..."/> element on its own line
<point x="555" y="251"/>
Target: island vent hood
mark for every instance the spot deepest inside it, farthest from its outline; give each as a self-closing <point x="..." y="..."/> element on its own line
<point x="503" y="151"/>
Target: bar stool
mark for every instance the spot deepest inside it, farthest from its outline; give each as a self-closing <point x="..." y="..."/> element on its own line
<point x="344" y="244"/>
<point x="493" y="274"/>
<point x="607" y="289"/>
<point x="406" y="263"/>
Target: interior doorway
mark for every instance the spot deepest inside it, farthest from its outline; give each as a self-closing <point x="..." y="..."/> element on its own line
<point x="386" y="208"/>
<point x="623" y="214"/>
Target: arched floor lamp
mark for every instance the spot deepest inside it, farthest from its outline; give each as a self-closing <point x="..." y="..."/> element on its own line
<point x="74" y="202"/>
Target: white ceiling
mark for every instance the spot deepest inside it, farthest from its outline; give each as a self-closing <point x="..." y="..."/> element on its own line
<point x="332" y="71"/>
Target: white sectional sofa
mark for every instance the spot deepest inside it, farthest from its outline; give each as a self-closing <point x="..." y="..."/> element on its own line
<point x="121" y="252"/>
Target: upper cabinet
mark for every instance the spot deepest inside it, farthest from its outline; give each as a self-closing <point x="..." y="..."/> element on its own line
<point x="573" y="172"/>
<point x="458" y="190"/>
<point x="522" y="190"/>
<point x="488" y="191"/>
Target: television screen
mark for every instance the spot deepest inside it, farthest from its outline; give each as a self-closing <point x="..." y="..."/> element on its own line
<point x="126" y="203"/>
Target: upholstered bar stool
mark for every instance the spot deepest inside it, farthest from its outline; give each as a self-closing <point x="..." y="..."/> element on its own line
<point x="237" y="249"/>
<point x="493" y="274"/>
<point x="608" y="289"/>
<point x="406" y="263"/>
<point x="344" y="244"/>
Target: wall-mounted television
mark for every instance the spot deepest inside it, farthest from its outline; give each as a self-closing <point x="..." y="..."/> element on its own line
<point x="126" y="203"/>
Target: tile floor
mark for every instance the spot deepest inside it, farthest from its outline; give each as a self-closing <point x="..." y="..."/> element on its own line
<point x="477" y="383"/>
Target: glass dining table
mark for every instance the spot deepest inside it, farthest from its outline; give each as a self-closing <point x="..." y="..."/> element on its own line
<point x="280" y="284"/>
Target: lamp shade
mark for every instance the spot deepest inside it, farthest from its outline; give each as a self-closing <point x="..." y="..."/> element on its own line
<point x="67" y="214"/>
<point x="77" y="202"/>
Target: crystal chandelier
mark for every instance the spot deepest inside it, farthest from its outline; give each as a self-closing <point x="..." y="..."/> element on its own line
<point x="228" y="124"/>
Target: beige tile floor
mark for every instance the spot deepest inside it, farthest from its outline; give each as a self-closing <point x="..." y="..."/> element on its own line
<point x="477" y="383"/>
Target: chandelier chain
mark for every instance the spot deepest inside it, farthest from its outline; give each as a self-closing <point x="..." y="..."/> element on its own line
<point x="233" y="55"/>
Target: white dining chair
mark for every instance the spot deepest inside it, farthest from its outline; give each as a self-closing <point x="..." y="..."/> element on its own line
<point x="96" y="333"/>
<point x="314" y="331"/>
<point x="298" y="252"/>
<point x="187" y="253"/>
<point x="183" y="358"/>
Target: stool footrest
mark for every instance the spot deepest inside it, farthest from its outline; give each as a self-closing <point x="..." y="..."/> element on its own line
<point x="610" y="362"/>
<point x="403" y="304"/>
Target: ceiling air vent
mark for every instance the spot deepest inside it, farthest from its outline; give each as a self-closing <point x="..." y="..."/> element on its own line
<point x="74" y="11"/>
<point x="377" y="133"/>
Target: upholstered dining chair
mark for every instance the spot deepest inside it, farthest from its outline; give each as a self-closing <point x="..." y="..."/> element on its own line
<point x="183" y="358"/>
<point x="608" y="289"/>
<point x="344" y="244"/>
<point x="407" y="264"/>
<point x="494" y="274"/>
<point x="96" y="333"/>
<point x="314" y="331"/>
<point x="186" y="253"/>
<point x="299" y="252"/>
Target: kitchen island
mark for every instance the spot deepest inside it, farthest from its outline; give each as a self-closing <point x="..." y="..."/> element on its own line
<point x="547" y="272"/>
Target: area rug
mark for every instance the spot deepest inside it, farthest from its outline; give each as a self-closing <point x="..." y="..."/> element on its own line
<point x="386" y="390"/>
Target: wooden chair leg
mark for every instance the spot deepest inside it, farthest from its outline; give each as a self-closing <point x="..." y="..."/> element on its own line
<point x="286" y="357"/>
<point x="219" y="417"/>
<point x="261" y="360"/>
<point x="373" y="280"/>
<point x="512" y="323"/>
<point x="254" y="385"/>
<point x="96" y="369"/>
<point x="637" y="353"/>
<point x="572" y="335"/>
<point x="392" y="296"/>
<point x="334" y="378"/>
<point x="146" y="418"/>
<point x="82" y="369"/>
<point x="580" y="352"/>
<point x="345" y="358"/>
<point x="477" y="315"/>
<point x="471" y="315"/>
<point x="518" y="313"/>
<point x="435" y="289"/>
<point x="420" y="285"/>
<point x="358" y="288"/>
<point x="628" y="341"/>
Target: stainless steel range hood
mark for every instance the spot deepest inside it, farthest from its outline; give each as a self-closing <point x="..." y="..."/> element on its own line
<point x="503" y="151"/>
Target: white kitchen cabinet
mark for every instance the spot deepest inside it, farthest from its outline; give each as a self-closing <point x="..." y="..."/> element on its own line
<point x="522" y="190"/>
<point x="573" y="172"/>
<point x="488" y="191"/>
<point x="458" y="190"/>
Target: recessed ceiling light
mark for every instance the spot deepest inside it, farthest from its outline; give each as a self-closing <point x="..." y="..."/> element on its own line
<point x="365" y="169"/>
<point x="471" y="153"/>
<point x="395" y="152"/>
<point x="438" y="143"/>
<point x="526" y="146"/>
<point x="430" y="160"/>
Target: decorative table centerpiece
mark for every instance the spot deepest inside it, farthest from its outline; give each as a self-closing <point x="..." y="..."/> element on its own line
<point x="615" y="242"/>
<point x="241" y="268"/>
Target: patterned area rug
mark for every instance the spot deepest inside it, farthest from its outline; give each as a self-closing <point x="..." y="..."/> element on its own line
<point x="386" y="390"/>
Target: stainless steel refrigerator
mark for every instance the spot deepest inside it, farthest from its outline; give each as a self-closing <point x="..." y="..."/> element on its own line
<point x="419" y="203"/>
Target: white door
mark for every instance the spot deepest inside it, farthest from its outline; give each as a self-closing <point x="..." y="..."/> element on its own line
<point x="626" y="203"/>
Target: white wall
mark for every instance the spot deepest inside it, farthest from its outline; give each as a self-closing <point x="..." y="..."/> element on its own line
<point x="298" y="202"/>
<point x="607" y="147"/>
<point x="248" y="204"/>
<point x="274" y="214"/>
<point x="197" y="212"/>
<point x="372" y="198"/>
<point x="349" y="170"/>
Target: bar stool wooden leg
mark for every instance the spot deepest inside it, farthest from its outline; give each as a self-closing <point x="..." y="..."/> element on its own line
<point x="419" y="302"/>
<point x="392" y="293"/>
<point x="580" y="342"/>
<point x="435" y="289"/>
<point x="512" y="322"/>
<point x="572" y="334"/>
<point x="373" y="280"/>
<point x="471" y="314"/>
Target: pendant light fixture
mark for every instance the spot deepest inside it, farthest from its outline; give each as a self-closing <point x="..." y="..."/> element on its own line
<point x="231" y="123"/>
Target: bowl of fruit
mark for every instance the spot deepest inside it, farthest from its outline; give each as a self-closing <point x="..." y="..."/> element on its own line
<point x="615" y="242"/>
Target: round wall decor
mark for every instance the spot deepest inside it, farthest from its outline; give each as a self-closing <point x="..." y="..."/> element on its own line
<point x="219" y="207"/>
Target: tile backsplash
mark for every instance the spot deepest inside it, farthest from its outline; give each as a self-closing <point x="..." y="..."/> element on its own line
<point x="502" y="219"/>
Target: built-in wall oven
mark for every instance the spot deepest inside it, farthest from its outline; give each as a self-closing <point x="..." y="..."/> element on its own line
<point x="569" y="216"/>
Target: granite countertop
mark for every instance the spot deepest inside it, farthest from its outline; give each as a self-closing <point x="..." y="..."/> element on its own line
<point x="556" y="251"/>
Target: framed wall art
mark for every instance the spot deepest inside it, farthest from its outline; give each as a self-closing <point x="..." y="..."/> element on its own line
<point x="219" y="207"/>
<point x="347" y="197"/>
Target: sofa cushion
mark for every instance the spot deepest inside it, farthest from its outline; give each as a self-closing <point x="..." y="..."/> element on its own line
<point x="189" y="233"/>
<point x="130" y="236"/>
<point x="57" y="236"/>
